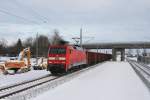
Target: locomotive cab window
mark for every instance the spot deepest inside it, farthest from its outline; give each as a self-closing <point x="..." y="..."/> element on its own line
<point x="57" y="51"/>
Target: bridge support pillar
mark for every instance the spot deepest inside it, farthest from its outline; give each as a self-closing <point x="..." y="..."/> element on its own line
<point x="122" y="54"/>
<point x="114" y="53"/>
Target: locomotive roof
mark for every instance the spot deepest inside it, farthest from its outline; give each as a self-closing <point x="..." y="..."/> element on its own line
<point x="61" y="46"/>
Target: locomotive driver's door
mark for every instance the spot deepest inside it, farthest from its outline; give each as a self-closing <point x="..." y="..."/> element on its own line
<point x="71" y="58"/>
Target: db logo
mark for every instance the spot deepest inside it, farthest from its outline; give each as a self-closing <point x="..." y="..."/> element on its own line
<point x="57" y="58"/>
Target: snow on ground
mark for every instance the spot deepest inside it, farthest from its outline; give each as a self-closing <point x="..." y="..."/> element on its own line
<point x="133" y="58"/>
<point x="17" y="78"/>
<point x="2" y="59"/>
<point x="108" y="81"/>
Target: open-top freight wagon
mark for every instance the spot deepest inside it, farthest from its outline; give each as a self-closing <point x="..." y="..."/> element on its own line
<point x="94" y="57"/>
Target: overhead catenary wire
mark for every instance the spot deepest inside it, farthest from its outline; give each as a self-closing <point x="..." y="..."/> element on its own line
<point x="29" y="8"/>
<point x="20" y="17"/>
<point x="41" y="18"/>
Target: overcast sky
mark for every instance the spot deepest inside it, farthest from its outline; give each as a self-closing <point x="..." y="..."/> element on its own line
<point x="104" y="20"/>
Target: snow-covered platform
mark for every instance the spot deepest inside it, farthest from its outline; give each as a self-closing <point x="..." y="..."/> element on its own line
<point x="108" y="81"/>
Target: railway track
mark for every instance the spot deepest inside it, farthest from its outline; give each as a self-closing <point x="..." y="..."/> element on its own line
<point x="14" y="89"/>
<point x="21" y="83"/>
<point x="142" y="70"/>
<point x="19" y="91"/>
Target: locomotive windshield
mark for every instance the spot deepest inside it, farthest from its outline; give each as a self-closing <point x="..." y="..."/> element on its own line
<point x="57" y="51"/>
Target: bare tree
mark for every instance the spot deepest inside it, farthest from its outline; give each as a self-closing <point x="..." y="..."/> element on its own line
<point x="3" y="45"/>
<point x="43" y="44"/>
<point x="57" y="39"/>
<point x="28" y="42"/>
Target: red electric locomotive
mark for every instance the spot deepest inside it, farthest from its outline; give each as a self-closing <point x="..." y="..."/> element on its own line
<point x="63" y="58"/>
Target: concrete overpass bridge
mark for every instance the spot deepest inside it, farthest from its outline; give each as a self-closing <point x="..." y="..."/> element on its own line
<point x="118" y="47"/>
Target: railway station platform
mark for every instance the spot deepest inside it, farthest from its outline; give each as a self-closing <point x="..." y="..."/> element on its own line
<point x="107" y="81"/>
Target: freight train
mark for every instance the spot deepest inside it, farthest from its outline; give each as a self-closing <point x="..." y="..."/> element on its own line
<point x="62" y="58"/>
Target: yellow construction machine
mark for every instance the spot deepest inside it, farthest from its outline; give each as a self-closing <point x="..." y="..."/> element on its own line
<point x="19" y="65"/>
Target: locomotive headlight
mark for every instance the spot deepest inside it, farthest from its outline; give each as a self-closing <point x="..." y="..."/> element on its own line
<point x="51" y="58"/>
<point x="50" y="62"/>
<point x="62" y="58"/>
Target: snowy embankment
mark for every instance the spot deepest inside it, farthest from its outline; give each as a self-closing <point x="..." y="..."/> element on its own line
<point x="108" y="81"/>
<point x="6" y="80"/>
<point x="132" y="58"/>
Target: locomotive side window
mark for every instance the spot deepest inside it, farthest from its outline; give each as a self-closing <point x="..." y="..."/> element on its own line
<point x="75" y="47"/>
<point x="57" y="51"/>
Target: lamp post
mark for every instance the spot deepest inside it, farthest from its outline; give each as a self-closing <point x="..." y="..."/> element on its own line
<point x="81" y="37"/>
<point x="77" y="39"/>
<point x="37" y="48"/>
